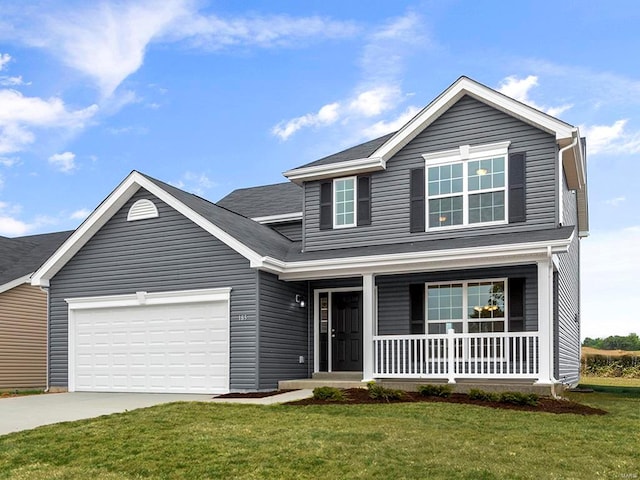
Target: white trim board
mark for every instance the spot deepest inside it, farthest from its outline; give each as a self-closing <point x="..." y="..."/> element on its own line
<point x="15" y="283"/>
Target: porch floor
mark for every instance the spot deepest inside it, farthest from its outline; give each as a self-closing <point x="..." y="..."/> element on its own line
<point x="354" y="380"/>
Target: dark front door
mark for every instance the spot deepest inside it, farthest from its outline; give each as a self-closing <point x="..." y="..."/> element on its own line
<point x="346" y="332"/>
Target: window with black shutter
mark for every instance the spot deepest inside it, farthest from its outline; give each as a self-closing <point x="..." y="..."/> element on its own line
<point x="364" y="200"/>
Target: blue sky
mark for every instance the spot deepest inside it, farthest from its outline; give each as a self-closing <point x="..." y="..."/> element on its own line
<point x="214" y="96"/>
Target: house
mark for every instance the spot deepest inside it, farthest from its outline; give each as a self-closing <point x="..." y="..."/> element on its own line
<point x="445" y="251"/>
<point x="23" y="310"/>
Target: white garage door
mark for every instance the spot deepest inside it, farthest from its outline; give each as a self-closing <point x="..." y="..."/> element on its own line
<point x="175" y="342"/>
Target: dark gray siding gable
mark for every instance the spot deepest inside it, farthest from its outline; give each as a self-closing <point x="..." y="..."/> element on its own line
<point x="167" y="253"/>
<point x="468" y="122"/>
<point x="284" y="331"/>
<point x="567" y="321"/>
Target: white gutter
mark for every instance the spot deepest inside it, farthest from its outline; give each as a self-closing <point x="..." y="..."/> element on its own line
<point x="561" y="176"/>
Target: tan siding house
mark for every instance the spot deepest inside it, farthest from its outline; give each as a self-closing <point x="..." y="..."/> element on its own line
<point x="23" y="311"/>
<point x="23" y="338"/>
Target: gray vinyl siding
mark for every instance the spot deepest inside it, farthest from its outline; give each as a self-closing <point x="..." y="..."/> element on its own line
<point x="567" y="322"/>
<point x="468" y="122"/>
<point x="167" y="253"/>
<point x="394" y="301"/>
<point x="291" y="230"/>
<point x="284" y="331"/>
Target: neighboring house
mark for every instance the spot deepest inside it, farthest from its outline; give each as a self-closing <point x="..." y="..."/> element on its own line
<point x="23" y="310"/>
<point x="446" y="251"/>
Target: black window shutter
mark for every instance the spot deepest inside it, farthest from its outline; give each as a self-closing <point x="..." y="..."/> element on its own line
<point x="516" y="305"/>
<point x="326" y="205"/>
<point x="517" y="200"/>
<point x="417" y="201"/>
<point x="416" y="294"/>
<point x="364" y="200"/>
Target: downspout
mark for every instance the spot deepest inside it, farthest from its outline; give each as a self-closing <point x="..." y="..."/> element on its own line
<point x="561" y="176"/>
<point x="46" y="387"/>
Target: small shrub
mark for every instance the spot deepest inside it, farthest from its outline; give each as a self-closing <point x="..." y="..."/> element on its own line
<point x="378" y="392"/>
<point x="477" y="394"/>
<point x="330" y="394"/>
<point x="435" y="390"/>
<point x="518" y="398"/>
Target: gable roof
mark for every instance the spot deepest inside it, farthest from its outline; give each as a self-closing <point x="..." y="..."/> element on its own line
<point x="282" y="201"/>
<point x="388" y="145"/>
<point x="21" y="256"/>
<point x="572" y="155"/>
<point x="250" y="239"/>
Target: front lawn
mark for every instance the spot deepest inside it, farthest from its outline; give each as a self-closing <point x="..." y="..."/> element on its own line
<point x="415" y="440"/>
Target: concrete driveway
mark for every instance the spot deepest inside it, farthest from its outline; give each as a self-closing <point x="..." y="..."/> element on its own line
<point x="24" y="413"/>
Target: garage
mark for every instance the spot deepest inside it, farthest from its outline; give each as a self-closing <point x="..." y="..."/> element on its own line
<point x="167" y="342"/>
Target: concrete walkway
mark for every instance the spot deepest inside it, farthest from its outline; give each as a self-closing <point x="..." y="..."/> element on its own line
<point x="27" y="412"/>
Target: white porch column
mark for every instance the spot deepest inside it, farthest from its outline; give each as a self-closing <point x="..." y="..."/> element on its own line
<point x="545" y="320"/>
<point x="368" y="327"/>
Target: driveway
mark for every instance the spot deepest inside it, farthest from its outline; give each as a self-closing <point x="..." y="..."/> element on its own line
<point x="24" y="413"/>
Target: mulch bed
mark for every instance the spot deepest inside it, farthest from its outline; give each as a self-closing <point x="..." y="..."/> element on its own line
<point x="545" y="404"/>
<point x="252" y="394"/>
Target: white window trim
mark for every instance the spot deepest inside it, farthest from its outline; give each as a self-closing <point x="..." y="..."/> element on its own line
<point x="355" y="202"/>
<point x="465" y="303"/>
<point x="463" y="154"/>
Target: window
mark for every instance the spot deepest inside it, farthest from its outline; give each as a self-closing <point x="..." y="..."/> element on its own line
<point x="467" y="186"/>
<point x="467" y="307"/>
<point x="344" y="202"/>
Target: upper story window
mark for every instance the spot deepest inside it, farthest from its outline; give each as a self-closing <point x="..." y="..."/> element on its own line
<point x="467" y="186"/>
<point x="344" y="202"/>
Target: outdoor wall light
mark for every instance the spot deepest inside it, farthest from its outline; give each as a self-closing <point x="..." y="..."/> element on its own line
<point x="300" y="301"/>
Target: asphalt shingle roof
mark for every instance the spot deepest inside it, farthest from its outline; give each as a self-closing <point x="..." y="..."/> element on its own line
<point x="359" y="151"/>
<point x="22" y="256"/>
<point x="260" y="238"/>
<point x="264" y="201"/>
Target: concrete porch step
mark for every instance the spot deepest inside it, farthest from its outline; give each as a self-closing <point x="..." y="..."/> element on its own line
<point x="311" y="383"/>
<point x="354" y="376"/>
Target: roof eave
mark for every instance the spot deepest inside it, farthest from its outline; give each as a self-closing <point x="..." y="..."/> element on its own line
<point x="413" y="261"/>
<point x="333" y="170"/>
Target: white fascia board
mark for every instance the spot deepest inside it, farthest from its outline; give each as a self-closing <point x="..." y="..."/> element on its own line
<point x="155" y="298"/>
<point x="86" y="230"/>
<point x="15" y="283"/>
<point x="413" y="261"/>
<point x="110" y="207"/>
<point x="334" y="170"/>
<point x="466" y="86"/>
<point x="285" y="217"/>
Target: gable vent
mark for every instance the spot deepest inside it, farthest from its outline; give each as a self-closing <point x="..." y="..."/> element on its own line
<point x="142" y="209"/>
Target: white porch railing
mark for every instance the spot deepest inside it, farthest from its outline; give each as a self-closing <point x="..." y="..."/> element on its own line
<point x="457" y="355"/>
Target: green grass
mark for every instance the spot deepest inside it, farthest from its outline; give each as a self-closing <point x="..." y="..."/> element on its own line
<point x="417" y="440"/>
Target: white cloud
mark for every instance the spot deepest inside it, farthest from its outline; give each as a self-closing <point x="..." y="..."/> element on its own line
<point x="9" y="161"/>
<point x="9" y="224"/>
<point x="615" y="202"/>
<point x="80" y="214"/>
<point x="518" y="89"/>
<point x="609" y="272"/>
<point x="214" y="32"/>
<point x="197" y="183"/>
<point x="611" y="138"/>
<point x="20" y="115"/>
<point x="64" y="162"/>
<point x="5" y="58"/>
<point x="376" y="100"/>
<point x="129" y="130"/>
<point x="108" y="41"/>
<point x="383" y="127"/>
<point x="327" y="115"/>
<point x="12" y="81"/>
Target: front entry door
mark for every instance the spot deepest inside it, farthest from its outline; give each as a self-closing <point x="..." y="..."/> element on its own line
<point x="346" y="332"/>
